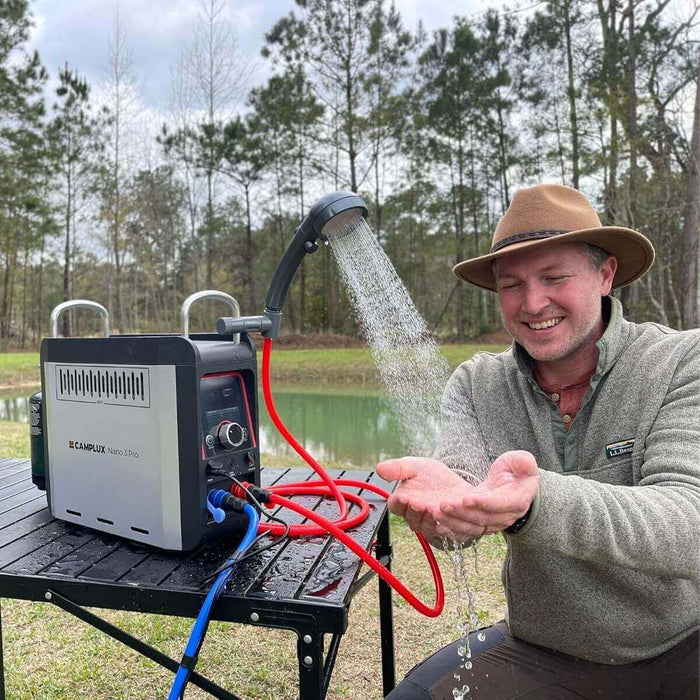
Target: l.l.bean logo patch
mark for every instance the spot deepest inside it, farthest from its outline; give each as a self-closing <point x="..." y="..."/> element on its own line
<point x="615" y="449"/>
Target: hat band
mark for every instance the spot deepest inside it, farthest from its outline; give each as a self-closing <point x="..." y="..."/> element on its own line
<point x="528" y="236"/>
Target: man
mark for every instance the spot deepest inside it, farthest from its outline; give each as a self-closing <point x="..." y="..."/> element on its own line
<point x="592" y="424"/>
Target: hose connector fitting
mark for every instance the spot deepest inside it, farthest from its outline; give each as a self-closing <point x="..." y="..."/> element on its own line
<point x="259" y="493"/>
<point x="223" y="499"/>
<point x="243" y="324"/>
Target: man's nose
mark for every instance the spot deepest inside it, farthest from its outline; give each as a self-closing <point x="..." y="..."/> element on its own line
<point x="535" y="299"/>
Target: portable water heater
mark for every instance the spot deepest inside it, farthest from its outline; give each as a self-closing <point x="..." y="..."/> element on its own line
<point x="139" y="429"/>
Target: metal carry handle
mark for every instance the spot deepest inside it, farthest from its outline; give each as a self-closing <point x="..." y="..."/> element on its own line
<point x="211" y="294"/>
<point x="78" y="304"/>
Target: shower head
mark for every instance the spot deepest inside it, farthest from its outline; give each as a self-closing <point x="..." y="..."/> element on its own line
<point x="326" y="216"/>
<point x="330" y="213"/>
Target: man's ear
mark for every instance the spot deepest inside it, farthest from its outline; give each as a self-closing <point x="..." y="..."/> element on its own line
<point x="607" y="272"/>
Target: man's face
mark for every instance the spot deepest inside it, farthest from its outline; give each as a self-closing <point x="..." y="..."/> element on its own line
<point x="550" y="299"/>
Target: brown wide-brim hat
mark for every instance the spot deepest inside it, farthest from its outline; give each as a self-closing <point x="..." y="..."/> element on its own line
<point x="549" y="214"/>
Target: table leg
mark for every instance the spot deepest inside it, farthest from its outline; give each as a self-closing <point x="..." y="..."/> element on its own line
<point x="310" y="657"/>
<point x="2" y="664"/>
<point x="386" y="612"/>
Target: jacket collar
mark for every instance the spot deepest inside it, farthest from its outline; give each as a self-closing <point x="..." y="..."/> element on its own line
<point x="615" y="338"/>
<point x="611" y="343"/>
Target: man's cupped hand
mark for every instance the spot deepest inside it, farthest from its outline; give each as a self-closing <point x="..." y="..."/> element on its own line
<point x="437" y="502"/>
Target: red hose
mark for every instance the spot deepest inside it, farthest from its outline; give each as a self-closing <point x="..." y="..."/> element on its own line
<point x="270" y="405"/>
<point x="311" y="530"/>
<point x="380" y="569"/>
<point x="329" y="487"/>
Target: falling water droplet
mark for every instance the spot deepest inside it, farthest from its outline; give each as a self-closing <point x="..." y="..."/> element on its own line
<point x="459" y="693"/>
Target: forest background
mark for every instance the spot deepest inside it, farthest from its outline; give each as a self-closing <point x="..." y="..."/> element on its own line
<point x="435" y="130"/>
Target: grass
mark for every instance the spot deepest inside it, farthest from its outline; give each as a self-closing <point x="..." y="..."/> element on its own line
<point x="50" y="655"/>
<point x="14" y="439"/>
<point x="19" y="369"/>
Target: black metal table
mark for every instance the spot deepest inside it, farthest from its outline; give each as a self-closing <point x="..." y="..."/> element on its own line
<point x="304" y="585"/>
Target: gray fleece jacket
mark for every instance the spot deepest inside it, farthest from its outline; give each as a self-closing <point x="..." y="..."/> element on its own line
<point x="607" y="566"/>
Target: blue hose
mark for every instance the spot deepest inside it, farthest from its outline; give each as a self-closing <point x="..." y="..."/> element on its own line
<point x="202" y="622"/>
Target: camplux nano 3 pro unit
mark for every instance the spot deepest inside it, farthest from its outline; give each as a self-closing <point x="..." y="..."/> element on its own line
<point x="139" y="429"/>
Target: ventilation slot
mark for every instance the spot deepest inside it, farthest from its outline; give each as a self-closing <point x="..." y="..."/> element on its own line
<point x="121" y="386"/>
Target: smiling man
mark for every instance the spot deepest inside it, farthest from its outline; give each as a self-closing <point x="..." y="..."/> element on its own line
<point x="592" y="424"/>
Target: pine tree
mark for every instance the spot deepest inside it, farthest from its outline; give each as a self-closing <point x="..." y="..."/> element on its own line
<point x="76" y="138"/>
<point x="22" y="156"/>
<point x="243" y="156"/>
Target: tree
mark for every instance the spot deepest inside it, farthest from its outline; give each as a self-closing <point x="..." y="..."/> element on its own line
<point x="242" y="151"/>
<point x="499" y="53"/>
<point x="285" y="47"/>
<point x="76" y="136"/>
<point x="179" y="145"/>
<point x="333" y="37"/>
<point x="388" y="51"/>
<point x="690" y="246"/>
<point x="155" y="224"/>
<point x="23" y="164"/>
<point x="123" y="102"/>
<point x="287" y="114"/>
<point x="217" y="76"/>
<point x="456" y="109"/>
<point x="655" y="53"/>
<point x="550" y="33"/>
<point x="608" y="86"/>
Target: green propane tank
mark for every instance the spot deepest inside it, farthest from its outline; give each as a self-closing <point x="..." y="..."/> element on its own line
<point x="36" y="440"/>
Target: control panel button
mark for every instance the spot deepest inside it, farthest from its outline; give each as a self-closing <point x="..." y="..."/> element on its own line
<point x="209" y="439"/>
<point x="231" y="435"/>
<point x="215" y="468"/>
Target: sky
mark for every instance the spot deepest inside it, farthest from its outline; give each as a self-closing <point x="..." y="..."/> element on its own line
<point x="79" y="31"/>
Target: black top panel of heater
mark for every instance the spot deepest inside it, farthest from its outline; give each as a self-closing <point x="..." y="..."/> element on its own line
<point x="147" y="350"/>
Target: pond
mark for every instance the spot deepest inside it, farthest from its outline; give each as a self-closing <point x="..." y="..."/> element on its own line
<point x="358" y="429"/>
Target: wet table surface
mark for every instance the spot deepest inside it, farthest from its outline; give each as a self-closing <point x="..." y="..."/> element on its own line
<point x="297" y="579"/>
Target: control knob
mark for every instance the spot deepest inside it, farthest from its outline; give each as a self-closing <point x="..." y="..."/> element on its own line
<point x="231" y="435"/>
